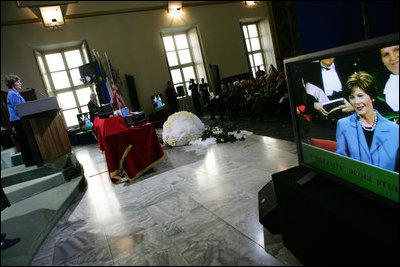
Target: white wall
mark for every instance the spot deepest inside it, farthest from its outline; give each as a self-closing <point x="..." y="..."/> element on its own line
<point x="131" y="40"/>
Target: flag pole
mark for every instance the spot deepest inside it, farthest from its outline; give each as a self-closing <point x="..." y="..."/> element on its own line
<point x="108" y="64"/>
<point x="111" y="77"/>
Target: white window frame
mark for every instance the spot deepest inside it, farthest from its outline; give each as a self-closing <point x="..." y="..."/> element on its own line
<point x="180" y="66"/>
<point x="46" y="75"/>
<point x="250" y="54"/>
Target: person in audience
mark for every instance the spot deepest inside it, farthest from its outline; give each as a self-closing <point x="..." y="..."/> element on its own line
<point x="250" y="94"/>
<point x="230" y="86"/>
<point x="5" y="242"/>
<point x="260" y="83"/>
<point x="172" y="97"/>
<point x="93" y="107"/>
<point x="194" y="87"/>
<point x="271" y="81"/>
<point x="272" y="69"/>
<point x="229" y="97"/>
<point x="237" y="98"/>
<point x="366" y="135"/>
<point x="205" y="94"/>
<point x="269" y="101"/>
<point x="14" y="85"/>
<point x="217" y="104"/>
<point x="282" y="97"/>
<point x="259" y="73"/>
<point x="264" y="106"/>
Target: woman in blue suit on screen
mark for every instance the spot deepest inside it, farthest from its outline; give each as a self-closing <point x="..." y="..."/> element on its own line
<point x="366" y="135"/>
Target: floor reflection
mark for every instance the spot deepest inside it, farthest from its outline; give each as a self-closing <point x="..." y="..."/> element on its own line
<point x="197" y="204"/>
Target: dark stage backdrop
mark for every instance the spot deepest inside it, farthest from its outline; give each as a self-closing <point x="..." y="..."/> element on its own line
<point x="327" y="24"/>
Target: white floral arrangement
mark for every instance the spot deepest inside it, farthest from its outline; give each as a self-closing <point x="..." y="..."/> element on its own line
<point x="181" y="128"/>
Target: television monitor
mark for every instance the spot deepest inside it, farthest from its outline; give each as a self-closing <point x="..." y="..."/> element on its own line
<point x="88" y="73"/>
<point x="319" y="146"/>
<point x="158" y="102"/>
<point x="107" y="108"/>
<point x="84" y="121"/>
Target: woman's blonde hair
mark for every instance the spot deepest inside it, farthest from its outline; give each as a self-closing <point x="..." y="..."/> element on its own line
<point x="362" y="80"/>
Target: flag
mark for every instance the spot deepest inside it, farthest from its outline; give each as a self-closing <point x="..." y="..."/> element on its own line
<point x="107" y="80"/>
<point x="102" y="79"/>
<point x="117" y="96"/>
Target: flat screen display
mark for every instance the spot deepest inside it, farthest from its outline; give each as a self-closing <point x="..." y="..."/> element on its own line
<point x="88" y="73"/>
<point x="158" y="102"/>
<point x="84" y="121"/>
<point x="345" y="112"/>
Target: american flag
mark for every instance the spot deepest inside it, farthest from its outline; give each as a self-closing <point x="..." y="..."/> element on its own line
<point x="117" y="97"/>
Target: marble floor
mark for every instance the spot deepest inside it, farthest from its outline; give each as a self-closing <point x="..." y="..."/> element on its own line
<point x="197" y="207"/>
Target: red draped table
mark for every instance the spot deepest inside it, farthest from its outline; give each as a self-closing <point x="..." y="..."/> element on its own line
<point x="133" y="150"/>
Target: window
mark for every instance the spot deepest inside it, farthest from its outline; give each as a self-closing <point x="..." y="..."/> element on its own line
<point x="253" y="47"/>
<point x="184" y="58"/>
<point x="61" y="77"/>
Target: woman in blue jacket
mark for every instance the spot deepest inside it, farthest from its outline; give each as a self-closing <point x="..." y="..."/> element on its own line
<point x="14" y="85"/>
<point x="366" y="135"/>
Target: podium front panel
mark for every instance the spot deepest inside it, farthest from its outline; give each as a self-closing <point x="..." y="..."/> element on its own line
<point x="51" y="135"/>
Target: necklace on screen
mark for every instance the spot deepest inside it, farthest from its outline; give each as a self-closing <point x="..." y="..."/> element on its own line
<point x="369" y="128"/>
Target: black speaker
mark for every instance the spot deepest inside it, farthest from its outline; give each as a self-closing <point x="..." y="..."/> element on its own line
<point x="268" y="209"/>
<point x="135" y="119"/>
<point x="180" y="90"/>
<point x="132" y="92"/>
<point x="215" y="78"/>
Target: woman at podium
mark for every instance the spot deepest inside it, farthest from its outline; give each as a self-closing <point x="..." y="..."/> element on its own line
<point x="14" y="84"/>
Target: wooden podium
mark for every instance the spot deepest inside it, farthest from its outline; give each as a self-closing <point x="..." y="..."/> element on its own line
<point x="45" y="130"/>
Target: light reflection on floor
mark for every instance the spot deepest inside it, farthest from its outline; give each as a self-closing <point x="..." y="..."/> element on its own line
<point x="219" y="185"/>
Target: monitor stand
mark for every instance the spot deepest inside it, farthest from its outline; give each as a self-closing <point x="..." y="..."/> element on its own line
<point x="306" y="178"/>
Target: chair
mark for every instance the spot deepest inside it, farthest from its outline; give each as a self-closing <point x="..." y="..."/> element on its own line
<point x="324" y="144"/>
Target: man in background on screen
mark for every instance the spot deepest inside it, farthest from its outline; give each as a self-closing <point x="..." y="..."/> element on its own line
<point x="323" y="82"/>
<point x="388" y="83"/>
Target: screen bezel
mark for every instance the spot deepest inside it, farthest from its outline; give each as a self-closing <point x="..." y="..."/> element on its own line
<point x="289" y="65"/>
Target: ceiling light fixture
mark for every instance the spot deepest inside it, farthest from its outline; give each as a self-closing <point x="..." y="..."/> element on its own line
<point x="52" y="16"/>
<point x="250" y="3"/>
<point x="175" y="7"/>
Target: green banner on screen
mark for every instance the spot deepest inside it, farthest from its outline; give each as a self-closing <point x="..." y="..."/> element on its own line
<point x="377" y="180"/>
